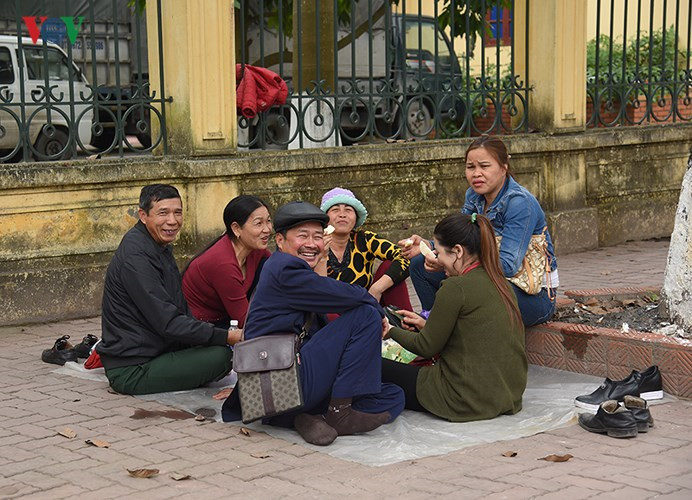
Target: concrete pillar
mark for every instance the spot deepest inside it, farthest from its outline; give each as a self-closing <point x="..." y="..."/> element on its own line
<point x="556" y="62"/>
<point x="316" y="36"/>
<point x="198" y="73"/>
<point x="677" y="281"/>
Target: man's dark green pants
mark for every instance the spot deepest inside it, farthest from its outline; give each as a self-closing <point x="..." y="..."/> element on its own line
<point x="174" y="371"/>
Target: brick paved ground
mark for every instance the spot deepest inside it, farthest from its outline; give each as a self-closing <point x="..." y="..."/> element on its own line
<point x="35" y="462"/>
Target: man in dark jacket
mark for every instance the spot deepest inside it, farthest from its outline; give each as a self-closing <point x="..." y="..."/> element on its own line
<point x="341" y="362"/>
<point x="150" y="342"/>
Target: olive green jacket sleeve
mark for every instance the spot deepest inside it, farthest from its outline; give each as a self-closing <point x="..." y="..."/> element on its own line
<point x="439" y="327"/>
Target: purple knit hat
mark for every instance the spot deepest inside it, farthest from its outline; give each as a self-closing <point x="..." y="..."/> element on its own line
<point x="345" y="196"/>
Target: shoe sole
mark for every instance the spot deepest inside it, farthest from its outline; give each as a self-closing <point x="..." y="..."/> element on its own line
<point x="593" y="408"/>
<point x="586" y="406"/>
<point x="651" y="395"/>
<point x="643" y="426"/>
<point x="616" y="433"/>
<point x="56" y="361"/>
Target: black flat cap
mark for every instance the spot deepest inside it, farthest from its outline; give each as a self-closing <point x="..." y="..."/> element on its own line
<point x="296" y="212"/>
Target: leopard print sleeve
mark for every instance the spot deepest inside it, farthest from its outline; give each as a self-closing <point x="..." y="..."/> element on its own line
<point x="384" y="249"/>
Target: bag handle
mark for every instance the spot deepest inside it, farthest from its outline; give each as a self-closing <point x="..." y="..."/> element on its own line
<point x="303" y="331"/>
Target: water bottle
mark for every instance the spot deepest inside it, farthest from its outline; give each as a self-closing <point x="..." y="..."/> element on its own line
<point x="233" y="326"/>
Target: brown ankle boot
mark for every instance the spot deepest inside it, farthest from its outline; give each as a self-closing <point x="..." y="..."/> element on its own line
<point x="346" y="421"/>
<point x="314" y="429"/>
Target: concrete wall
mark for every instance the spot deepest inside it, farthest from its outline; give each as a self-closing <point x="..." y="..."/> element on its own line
<point x="59" y="223"/>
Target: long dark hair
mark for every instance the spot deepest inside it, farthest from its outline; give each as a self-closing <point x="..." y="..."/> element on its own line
<point x="495" y="147"/>
<point x="478" y="238"/>
<point x="237" y="210"/>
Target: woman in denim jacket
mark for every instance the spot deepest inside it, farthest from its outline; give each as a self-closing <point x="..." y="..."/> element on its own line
<point x="515" y="215"/>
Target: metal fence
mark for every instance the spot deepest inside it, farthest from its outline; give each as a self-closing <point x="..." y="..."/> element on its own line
<point x="378" y="70"/>
<point x="74" y="80"/>
<point x="638" y="64"/>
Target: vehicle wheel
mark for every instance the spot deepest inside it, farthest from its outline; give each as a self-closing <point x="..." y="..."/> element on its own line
<point x="49" y="146"/>
<point x="15" y="158"/>
<point x="103" y="141"/>
<point x="420" y="123"/>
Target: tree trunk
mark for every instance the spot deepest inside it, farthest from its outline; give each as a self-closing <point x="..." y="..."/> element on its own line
<point x="677" y="281"/>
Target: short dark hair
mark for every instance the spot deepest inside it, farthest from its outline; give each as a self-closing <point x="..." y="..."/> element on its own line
<point x="156" y="192"/>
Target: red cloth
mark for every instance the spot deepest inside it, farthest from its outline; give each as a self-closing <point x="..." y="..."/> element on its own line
<point x="258" y="89"/>
<point x="396" y="295"/>
<point x="214" y="286"/>
<point x="93" y="361"/>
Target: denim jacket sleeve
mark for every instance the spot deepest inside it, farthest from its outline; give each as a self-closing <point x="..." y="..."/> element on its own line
<point x="469" y="207"/>
<point x="518" y="221"/>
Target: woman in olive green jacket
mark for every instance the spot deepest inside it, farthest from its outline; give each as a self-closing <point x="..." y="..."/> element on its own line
<point x="474" y="326"/>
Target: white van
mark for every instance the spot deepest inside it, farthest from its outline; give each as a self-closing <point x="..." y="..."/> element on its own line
<point x="47" y="143"/>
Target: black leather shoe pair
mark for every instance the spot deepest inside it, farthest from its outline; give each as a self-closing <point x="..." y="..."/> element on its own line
<point x="619" y="421"/>
<point x="62" y="351"/>
<point x="83" y="349"/>
<point x="646" y="385"/>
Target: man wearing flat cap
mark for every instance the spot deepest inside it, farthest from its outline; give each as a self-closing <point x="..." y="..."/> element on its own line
<point x="340" y="361"/>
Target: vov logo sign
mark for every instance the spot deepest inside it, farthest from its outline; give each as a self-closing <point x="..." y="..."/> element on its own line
<point x="53" y="29"/>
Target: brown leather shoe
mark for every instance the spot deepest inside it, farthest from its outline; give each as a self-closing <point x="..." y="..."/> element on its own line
<point x="348" y="421"/>
<point x="314" y="429"/>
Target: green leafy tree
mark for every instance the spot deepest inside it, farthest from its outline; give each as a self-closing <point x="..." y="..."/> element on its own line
<point x="616" y="59"/>
<point x="469" y="16"/>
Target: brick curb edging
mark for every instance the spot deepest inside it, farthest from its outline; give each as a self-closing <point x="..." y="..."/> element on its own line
<point x="607" y="352"/>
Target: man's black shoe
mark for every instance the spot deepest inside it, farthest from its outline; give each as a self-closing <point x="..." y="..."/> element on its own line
<point x="610" y="389"/>
<point x="611" y="419"/>
<point x="640" y="411"/>
<point x="83" y="349"/>
<point x="646" y="384"/>
<point x="650" y="386"/>
<point x="61" y="353"/>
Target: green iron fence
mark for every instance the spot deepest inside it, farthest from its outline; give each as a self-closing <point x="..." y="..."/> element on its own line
<point x="74" y="80"/>
<point x="381" y="70"/>
<point x="640" y="74"/>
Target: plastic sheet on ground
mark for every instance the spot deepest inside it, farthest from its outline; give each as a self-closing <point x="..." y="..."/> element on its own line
<point x="548" y="404"/>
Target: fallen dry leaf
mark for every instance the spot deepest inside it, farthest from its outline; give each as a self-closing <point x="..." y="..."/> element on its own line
<point x="223" y="393"/>
<point x="180" y="477"/>
<point x="509" y="454"/>
<point x="259" y="455"/>
<point x="556" y="458"/>
<point x="244" y="431"/>
<point x="143" y="473"/>
<point x="98" y="443"/>
<point x="68" y="433"/>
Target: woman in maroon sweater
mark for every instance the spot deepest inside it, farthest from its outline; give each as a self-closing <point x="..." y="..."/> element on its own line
<point x="218" y="282"/>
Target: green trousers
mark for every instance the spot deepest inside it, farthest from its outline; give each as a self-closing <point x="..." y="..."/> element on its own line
<point x="174" y="371"/>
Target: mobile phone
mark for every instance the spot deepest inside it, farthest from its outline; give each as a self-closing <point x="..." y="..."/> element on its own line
<point x="394" y="317"/>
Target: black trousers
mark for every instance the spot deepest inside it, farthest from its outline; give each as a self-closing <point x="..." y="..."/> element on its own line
<point x="404" y="376"/>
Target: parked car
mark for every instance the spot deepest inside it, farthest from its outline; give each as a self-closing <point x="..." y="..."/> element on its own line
<point x="134" y="116"/>
<point x="42" y="115"/>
